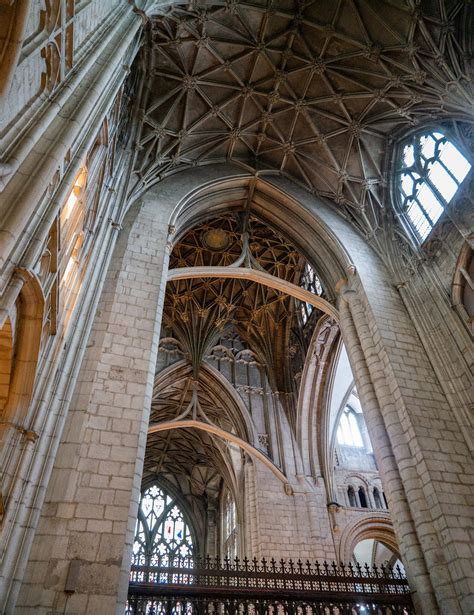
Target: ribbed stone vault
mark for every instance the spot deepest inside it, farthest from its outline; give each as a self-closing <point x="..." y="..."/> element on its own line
<point x="197" y="311"/>
<point x="308" y="89"/>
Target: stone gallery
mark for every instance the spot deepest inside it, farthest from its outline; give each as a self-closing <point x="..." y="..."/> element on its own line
<point x="236" y="307"/>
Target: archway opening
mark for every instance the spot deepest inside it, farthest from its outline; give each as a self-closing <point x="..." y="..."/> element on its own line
<point x="373" y="552"/>
<point x="229" y="364"/>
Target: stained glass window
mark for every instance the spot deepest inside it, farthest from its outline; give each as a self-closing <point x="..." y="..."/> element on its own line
<point x="431" y="171"/>
<point x="162" y="533"/>
<point x="309" y="281"/>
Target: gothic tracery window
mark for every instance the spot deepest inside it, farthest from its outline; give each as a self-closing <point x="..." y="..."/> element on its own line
<point x="348" y="431"/>
<point x="229" y="527"/>
<point x="431" y="171"/>
<point x="309" y="281"/>
<point x="162" y="533"/>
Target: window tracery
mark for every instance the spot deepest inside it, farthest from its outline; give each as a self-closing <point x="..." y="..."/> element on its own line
<point x="162" y="532"/>
<point x="348" y="431"/>
<point x="311" y="282"/>
<point x="431" y="170"/>
<point x="229" y="527"/>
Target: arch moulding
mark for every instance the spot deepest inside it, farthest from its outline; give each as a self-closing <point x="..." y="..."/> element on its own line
<point x="374" y="525"/>
<point x="225" y="435"/>
<point x="234" y="190"/>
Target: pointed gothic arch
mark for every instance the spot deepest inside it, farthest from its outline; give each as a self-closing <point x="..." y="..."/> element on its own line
<point x="26" y="299"/>
<point x="313" y="426"/>
<point x="163" y="532"/>
<point x="216" y="385"/>
<point x="350" y="269"/>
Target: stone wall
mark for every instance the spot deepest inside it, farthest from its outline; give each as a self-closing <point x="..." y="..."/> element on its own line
<point x="91" y="501"/>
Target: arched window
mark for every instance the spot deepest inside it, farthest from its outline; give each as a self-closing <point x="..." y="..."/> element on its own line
<point x="229" y="527"/>
<point x="309" y="281"/>
<point x="352" y="497"/>
<point x="430" y="172"/>
<point x="348" y="431"/>
<point x="362" y="498"/>
<point x="377" y="498"/>
<point x="161" y="532"/>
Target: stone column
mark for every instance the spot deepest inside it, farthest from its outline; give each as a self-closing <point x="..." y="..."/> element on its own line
<point x="400" y="513"/>
<point x="90" y="510"/>
<point x="420" y="447"/>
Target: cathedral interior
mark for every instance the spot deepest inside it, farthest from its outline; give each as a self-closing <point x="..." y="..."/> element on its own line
<point x="236" y="307"/>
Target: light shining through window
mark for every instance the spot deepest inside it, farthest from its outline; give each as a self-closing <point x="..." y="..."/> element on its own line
<point x="432" y="169"/>
<point x="229" y="527"/>
<point x="161" y="533"/>
<point x="309" y="281"/>
<point x="348" y="431"/>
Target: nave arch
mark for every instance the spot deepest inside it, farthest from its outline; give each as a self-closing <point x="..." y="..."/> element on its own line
<point x="373" y="525"/>
<point x="357" y="279"/>
<point x="242" y="431"/>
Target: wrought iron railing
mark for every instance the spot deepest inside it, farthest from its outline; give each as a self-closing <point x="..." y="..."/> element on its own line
<point x="249" y="587"/>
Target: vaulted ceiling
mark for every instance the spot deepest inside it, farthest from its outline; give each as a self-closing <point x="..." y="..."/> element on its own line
<point x="312" y="90"/>
<point x="197" y="311"/>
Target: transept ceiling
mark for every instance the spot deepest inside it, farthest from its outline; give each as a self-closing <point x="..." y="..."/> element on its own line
<point x="197" y="311"/>
<point x="197" y="314"/>
<point x="314" y="91"/>
<point x="311" y="90"/>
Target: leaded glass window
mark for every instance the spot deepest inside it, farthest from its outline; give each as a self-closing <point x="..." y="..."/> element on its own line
<point x="162" y="533"/>
<point x="348" y="431"/>
<point x="309" y="281"/>
<point x="229" y="526"/>
<point x="431" y="171"/>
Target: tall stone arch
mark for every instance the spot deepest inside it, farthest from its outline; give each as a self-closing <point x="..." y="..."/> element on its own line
<point x="374" y="526"/>
<point x="400" y="402"/>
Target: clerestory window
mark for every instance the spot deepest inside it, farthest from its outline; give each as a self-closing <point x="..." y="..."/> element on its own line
<point x="348" y="431"/>
<point x="431" y="170"/>
<point x="309" y="281"/>
<point x="162" y="533"/>
<point x="229" y="527"/>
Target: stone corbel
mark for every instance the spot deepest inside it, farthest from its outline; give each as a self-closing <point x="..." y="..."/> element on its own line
<point x="115" y="225"/>
<point x="28" y="434"/>
<point x="334" y="508"/>
<point x="144" y="17"/>
<point x="345" y="285"/>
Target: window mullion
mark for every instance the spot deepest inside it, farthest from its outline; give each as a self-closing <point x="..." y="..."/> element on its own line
<point x="424" y="212"/>
<point x="437" y="193"/>
<point x="415" y="159"/>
